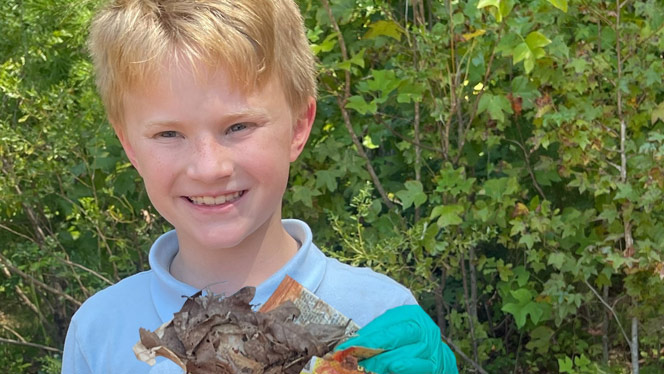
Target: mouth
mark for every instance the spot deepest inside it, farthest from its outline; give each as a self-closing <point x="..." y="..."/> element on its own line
<point x="215" y="200"/>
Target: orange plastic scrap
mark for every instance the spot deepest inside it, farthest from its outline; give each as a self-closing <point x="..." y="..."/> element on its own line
<point x="340" y="362"/>
<point x="360" y="353"/>
<point x="326" y="366"/>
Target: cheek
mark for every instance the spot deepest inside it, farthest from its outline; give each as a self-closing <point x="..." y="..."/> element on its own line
<point x="156" y="169"/>
<point x="267" y="162"/>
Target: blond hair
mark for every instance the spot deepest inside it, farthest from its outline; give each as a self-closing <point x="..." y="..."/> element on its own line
<point x="254" y="40"/>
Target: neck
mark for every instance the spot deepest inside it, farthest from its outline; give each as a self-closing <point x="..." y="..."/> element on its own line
<point x="226" y="270"/>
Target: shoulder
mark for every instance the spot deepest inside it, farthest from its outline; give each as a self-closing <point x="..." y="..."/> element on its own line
<point x="112" y="311"/>
<point x="117" y="298"/>
<point x="105" y="328"/>
<point x="361" y="293"/>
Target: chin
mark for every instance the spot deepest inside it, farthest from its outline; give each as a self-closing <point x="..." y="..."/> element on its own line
<point x="220" y="240"/>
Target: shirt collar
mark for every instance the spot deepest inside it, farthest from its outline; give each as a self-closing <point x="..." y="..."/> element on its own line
<point x="307" y="267"/>
<point x="168" y="294"/>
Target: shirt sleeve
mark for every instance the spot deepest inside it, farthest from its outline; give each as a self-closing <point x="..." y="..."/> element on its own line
<point x="73" y="359"/>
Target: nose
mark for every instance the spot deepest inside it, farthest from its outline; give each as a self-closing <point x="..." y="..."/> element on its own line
<point x="209" y="160"/>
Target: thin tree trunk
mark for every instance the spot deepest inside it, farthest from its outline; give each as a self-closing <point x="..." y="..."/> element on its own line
<point x="627" y="224"/>
<point x="605" y="330"/>
<point x="473" y="284"/>
<point x="660" y="350"/>
<point x="418" y="154"/>
<point x="635" y="345"/>
<point x="466" y="297"/>
<point x="440" y="304"/>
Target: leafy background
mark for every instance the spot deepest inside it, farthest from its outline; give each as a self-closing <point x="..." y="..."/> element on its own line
<point x="501" y="158"/>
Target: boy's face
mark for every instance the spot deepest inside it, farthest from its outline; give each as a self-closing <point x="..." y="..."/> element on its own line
<point x="214" y="161"/>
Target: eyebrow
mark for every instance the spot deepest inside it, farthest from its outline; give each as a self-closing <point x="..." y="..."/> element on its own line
<point x="258" y="114"/>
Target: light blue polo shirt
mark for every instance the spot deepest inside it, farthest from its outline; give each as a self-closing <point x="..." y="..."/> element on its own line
<point x="104" y="330"/>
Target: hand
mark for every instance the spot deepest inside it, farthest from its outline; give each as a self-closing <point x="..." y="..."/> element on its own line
<point x="411" y="342"/>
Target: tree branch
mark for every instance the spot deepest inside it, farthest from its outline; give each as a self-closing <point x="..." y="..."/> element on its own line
<point x="611" y="310"/>
<point x="39" y="283"/>
<point x="7" y="228"/>
<point x="466" y="297"/>
<point x="28" y="344"/>
<point x="485" y="81"/>
<point x="529" y="168"/>
<point x="407" y="139"/>
<point x="342" y="100"/>
<point x="96" y="274"/>
<point x="463" y="355"/>
<point x="640" y="42"/>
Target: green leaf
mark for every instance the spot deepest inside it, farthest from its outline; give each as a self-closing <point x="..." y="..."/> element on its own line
<point x="368" y="143"/>
<point x="560" y="4"/>
<point x="486" y="3"/>
<point x="625" y="191"/>
<point x="447" y="215"/>
<point x="529" y="64"/>
<point x="522" y="87"/>
<point x="358" y="58"/>
<point x="475" y="34"/>
<point x="384" y="28"/>
<point x="652" y="77"/>
<point x="502" y="7"/>
<point x="523" y="307"/>
<point x="657" y="113"/>
<point x="327" y="45"/>
<point x="540" y="339"/>
<point x="579" y="65"/>
<point x="410" y="92"/>
<point x="412" y="195"/>
<point x="520" y="53"/>
<point x="522" y="275"/>
<point x="384" y="81"/>
<point x="304" y="194"/>
<point x="528" y="240"/>
<point x="498" y="187"/>
<point x="505" y="7"/>
<point x="343" y="65"/>
<point x="458" y="19"/>
<point x="327" y="178"/>
<point x="357" y="102"/>
<point x="496" y="105"/>
<point x="530" y="50"/>
<point x="536" y="40"/>
<point x="125" y="183"/>
<point x="557" y="259"/>
<point x="566" y="365"/>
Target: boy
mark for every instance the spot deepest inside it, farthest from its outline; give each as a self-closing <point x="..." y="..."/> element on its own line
<point x="212" y="100"/>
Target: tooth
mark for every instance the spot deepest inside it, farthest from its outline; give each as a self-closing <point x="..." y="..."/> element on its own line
<point x="220" y="200"/>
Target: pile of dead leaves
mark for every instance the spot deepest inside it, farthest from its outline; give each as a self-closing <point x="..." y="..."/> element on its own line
<point x="224" y="335"/>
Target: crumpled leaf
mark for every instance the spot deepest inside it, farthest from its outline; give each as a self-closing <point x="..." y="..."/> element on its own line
<point x="211" y="334"/>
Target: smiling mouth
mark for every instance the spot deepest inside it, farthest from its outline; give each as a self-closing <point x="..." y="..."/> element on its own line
<point x="209" y="200"/>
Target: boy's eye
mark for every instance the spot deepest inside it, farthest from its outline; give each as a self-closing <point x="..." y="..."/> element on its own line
<point x="167" y="134"/>
<point x="237" y="127"/>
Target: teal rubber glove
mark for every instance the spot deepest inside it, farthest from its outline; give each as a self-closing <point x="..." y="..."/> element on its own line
<point x="411" y="342"/>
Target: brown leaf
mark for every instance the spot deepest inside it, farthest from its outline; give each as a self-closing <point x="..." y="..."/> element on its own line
<point x="659" y="270"/>
<point x="224" y="335"/>
<point x="517" y="104"/>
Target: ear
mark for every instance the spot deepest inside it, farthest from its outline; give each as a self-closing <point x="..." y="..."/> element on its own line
<point x="121" y="133"/>
<point x="302" y="129"/>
